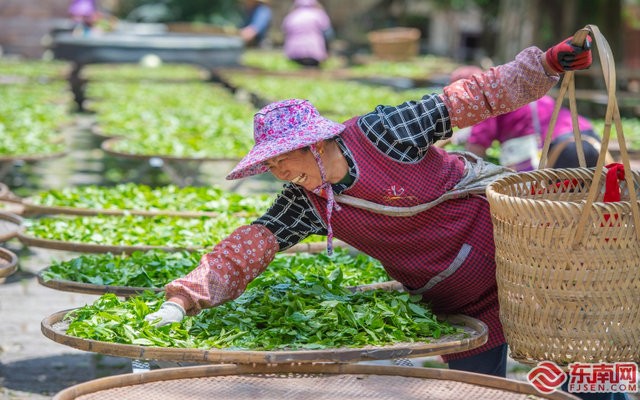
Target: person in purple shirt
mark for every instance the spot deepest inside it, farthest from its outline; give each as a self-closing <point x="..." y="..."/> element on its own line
<point x="256" y="23"/>
<point x="307" y="29"/>
<point x="521" y="134"/>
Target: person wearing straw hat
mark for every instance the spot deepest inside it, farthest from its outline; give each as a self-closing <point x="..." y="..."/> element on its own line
<point x="377" y="183"/>
<point x="521" y="134"/>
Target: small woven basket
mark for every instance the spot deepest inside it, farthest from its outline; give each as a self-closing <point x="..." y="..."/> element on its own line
<point x="568" y="263"/>
<point x="395" y="44"/>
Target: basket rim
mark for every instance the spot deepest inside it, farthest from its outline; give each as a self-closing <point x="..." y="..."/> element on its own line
<point x="492" y="191"/>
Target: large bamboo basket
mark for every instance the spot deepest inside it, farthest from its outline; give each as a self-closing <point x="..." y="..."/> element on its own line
<point x="307" y="381"/>
<point x="395" y="44"/>
<point x="568" y="279"/>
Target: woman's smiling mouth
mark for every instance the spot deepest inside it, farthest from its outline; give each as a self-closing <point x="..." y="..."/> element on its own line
<point x="300" y="179"/>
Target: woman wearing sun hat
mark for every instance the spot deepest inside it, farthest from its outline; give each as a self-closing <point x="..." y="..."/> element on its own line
<point x="377" y="183"/>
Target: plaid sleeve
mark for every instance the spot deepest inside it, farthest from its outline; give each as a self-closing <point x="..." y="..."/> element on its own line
<point x="405" y="132"/>
<point x="292" y="217"/>
<point x="498" y="90"/>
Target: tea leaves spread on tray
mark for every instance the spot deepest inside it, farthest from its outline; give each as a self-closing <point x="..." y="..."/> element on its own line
<point x="154" y="269"/>
<point x="130" y="230"/>
<point x="131" y="196"/>
<point x="290" y="310"/>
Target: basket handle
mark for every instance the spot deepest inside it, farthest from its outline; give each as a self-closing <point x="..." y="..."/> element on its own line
<point x="612" y="114"/>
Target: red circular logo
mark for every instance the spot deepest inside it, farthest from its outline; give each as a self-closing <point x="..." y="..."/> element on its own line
<point x="546" y="377"/>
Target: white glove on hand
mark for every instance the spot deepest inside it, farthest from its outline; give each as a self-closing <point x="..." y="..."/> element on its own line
<point x="168" y="313"/>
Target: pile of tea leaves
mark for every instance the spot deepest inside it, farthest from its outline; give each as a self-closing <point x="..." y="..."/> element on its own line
<point x="285" y="309"/>
<point x="156" y="268"/>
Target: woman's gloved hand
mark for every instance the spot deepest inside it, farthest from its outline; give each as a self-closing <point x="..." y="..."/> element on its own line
<point x="565" y="56"/>
<point x="168" y="313"/>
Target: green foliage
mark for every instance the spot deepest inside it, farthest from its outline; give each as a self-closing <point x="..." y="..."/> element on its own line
<point x="31" y="117"/>
<point x="310" y="309"/>
<point x="187" y="120"/>
<point x="129" y="230"/>
<point x="630" y="130"/>
<point x="156" y="268"/>
<point x="336" y="99"/>
<point x="131" y="196"/>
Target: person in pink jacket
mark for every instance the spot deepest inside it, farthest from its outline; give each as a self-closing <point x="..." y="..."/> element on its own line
<point x="521" y="134"/>
<point x="378" y="183"/>
<point x="307" y="29"/>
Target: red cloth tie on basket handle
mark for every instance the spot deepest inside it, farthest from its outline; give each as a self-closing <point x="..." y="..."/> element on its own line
<point x="615" y="174"/>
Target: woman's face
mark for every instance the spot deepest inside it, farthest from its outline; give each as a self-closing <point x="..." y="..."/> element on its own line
<point x="297" y="166"/>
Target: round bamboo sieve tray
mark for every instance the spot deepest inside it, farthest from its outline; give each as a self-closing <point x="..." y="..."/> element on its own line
<point x="475" y="335"/>
<point x="90" y="288"/>
<point x="10" y="225"/>
<point x="307" y="381"/>
<point x="567" y="261"/>
<point x="107" y="147"/>
<point x="8" y="262"/>
<point x="311" y="247"/>
<point x="126" y="291"/>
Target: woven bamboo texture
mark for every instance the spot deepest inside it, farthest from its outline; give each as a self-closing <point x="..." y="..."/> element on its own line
<point x="8" y="262"/>
<point x="317" y="382"/>
<point x="568" y="268"/>
<point x="474" y="335"/>
<point x="395" y="44"/>
<point x="10" y="225"/>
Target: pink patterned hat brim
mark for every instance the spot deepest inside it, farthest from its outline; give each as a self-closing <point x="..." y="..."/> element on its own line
<point x="284" y="126"/>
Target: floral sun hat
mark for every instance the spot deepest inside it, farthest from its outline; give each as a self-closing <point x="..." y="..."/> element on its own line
<point x="282" y="127"/>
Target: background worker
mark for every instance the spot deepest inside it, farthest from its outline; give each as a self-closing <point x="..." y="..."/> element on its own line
<point x="256" y="23"/>
<point x="307" y="31"/>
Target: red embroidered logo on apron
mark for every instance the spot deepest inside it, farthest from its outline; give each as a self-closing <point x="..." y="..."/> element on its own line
<point x="393" y="193"/>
